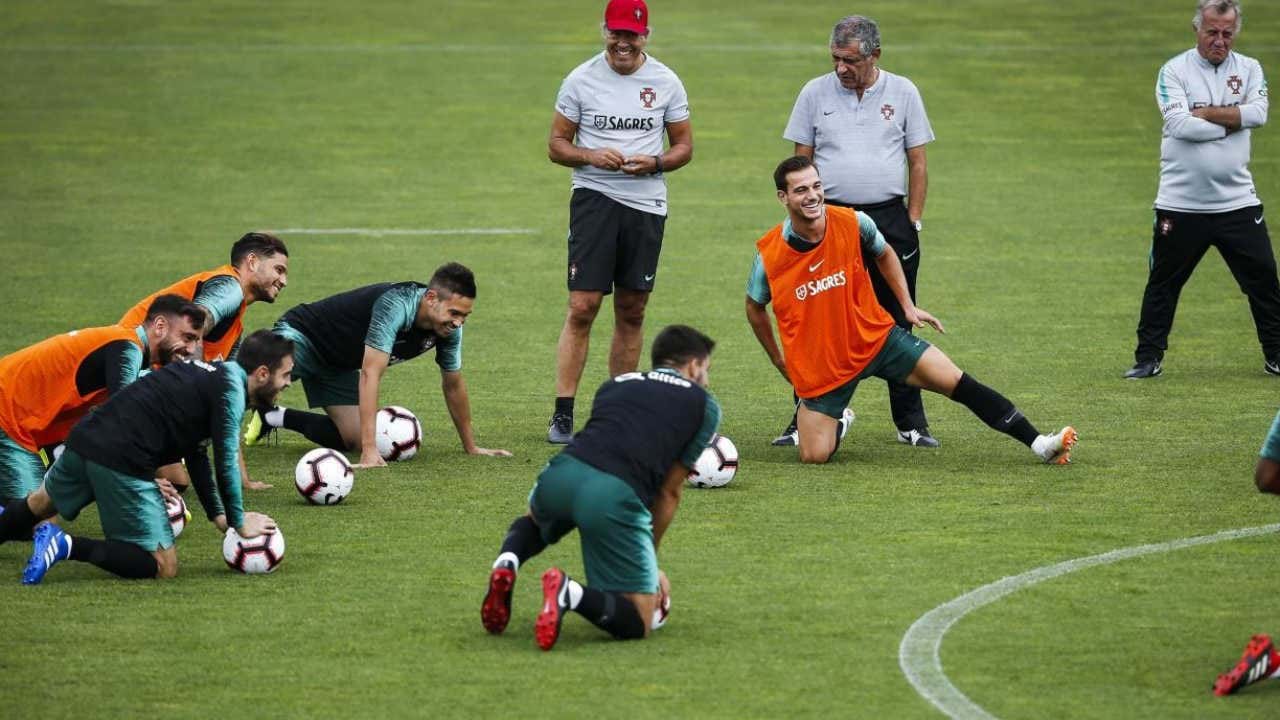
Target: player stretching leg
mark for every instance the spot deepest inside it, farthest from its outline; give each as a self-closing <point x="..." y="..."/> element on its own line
<point x="618" y="482"/>
<point x="835" y="333"/>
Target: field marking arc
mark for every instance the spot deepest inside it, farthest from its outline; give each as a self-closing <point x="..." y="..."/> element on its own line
<point x="919" y="653"/>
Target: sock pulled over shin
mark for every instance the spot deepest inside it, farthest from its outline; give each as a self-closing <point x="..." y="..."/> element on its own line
<point x="994" y="409"/>
<point x="316" y="427"/>
<point x="118" y="558"/>
<point x="17" y="521"/>
<point x="523" y="541"/>
<point x="612" y="612"/>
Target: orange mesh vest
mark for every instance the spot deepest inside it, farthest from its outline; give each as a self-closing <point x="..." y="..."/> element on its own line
<point x="39" y="402"/>
<point x="220" y="340"/>
<point x="829" y="320"/>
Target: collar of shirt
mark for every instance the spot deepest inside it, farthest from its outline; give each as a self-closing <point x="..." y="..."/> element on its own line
<point x="141" y="331"/>
<point x="796" y="241"/>
<point x="669" y="371"/>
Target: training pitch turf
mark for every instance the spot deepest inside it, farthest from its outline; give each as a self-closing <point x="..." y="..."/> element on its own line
<point x="139" y="139"/>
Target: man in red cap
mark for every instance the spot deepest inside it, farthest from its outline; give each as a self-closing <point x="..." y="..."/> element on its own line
<point x="610" y="116"/>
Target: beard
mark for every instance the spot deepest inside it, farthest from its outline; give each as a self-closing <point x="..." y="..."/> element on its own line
<point x="263" y="398"/>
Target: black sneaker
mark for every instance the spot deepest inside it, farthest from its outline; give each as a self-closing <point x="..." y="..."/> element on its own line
<point x="560" y="429"/>
<point x="789" y="437"/>
<point x="1150" y="368"/>
<point x="1272" y="367"/>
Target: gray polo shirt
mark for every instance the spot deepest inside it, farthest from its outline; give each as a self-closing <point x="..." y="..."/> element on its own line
<point x="860" y="146"/>
<point x="629" y="113"/>
<point x="1202" y="168"/>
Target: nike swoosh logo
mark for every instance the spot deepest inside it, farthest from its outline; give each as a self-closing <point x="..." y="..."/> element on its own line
<point x="814" y="267"/>
<point x="648" y="278"/>
<point x="827" y="112"/>
<point x="1257" y="220"/>
<point x="911" y="254"/>
<point x="1012" y="415"/>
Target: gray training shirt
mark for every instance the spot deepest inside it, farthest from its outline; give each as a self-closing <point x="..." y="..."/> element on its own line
<point x="628" y="113"/>
<point x="1202" y="168"/>
<point x="860" y="147"/>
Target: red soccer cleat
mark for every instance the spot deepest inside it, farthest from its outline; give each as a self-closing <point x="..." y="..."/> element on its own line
<point x="1259" y="661"/>
<point x="496" y="610"/>
<point x="555" y="604"/>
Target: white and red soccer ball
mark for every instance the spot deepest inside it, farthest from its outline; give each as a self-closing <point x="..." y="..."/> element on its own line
<point x="255" y="555"/>
<point x="324" y="477"/>
<point x="398" y="433"/>
<point x="176" y="510"/>
<point x="717" y="465"/>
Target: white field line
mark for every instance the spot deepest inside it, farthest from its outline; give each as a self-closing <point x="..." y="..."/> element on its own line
<point x="380" y="232"/>
<point x="918" y="655"/>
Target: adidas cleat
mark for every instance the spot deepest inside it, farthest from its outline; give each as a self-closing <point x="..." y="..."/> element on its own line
<point x="496" y="609"/>
<point x="555" y="603"/>
<point x="51" y="547"/>
<point x="1260" y="661"/>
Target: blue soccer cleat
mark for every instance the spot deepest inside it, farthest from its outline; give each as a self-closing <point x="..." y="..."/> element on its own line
<point x="51" y="547"/>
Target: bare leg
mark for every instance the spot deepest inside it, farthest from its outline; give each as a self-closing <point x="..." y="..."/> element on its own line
<point x="628" y="330"/>
<point x="347" y="419"/>
<point x="575" y="336"/>
<point x="818" y="434"/>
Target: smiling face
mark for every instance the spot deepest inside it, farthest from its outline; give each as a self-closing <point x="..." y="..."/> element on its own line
<point x="172" y="337"/>
<point x="443" y="312"/>
<point x="1216" y="35"/>
<point x="268" y="275"/>
<point x="803" y="196"/>
<point x="624" y="50"/>
<point x="265" y="386"/>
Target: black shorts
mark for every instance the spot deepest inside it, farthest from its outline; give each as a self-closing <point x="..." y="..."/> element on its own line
<point x="611" y="244"/>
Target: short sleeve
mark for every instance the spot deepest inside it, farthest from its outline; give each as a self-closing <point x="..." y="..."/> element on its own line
<point x="222" y="296"/>
<point x="918" y="131"/>
<point x="702" y="438"/>
<point x="870" y="236"/>
<point x="567" y="103"/>
<point x="1271" y="448"/>
<point x="678" y="108"/>
<point x="449" y="351"/>
<point x="758" y="283"/>
<point x="800" y="126"/>
<point x="393" y="312"/>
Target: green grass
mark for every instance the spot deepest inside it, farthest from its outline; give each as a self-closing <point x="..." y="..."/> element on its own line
<point x="139" y="139"/>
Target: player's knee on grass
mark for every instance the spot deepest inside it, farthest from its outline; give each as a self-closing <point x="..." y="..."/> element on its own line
<point x="166" y="563"/>
<point x="644" y="604"/>
<point x="41" y="504"/>
<point x="814" y="454"/>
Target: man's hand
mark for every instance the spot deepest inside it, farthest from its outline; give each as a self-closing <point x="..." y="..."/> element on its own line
<point x="918" y="317"/>
<point x="220" y="522"/>
<point x="490" y="452"/>
<point x="256" y="524"/>
<point x="606" y="159"/>
<point x="167" y="489"/>
<point x="369" y="458"/>
<point x="640" y="165"/>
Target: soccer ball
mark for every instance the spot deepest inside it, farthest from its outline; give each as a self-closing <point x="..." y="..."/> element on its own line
<point x="324" y="477"/>
<point x="398" y="434"/>
<point x="176" y="509"/>
<point x="253" y="556"/>
<point x="717" y="464"/>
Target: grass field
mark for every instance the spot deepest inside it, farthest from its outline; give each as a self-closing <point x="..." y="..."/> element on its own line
<point x="138" y="139"/>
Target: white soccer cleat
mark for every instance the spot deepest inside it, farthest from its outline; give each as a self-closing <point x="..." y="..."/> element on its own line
<point x="1056" y="449"/>
<point x="846" y="421"/>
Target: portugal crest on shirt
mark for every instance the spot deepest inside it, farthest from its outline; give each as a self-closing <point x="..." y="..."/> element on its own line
<point x="648" y="96"/>
<point x="1235" y="83"/>
<point x="887" y="111"/>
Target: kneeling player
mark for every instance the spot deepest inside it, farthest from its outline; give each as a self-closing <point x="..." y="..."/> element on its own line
<point x="343" y="344"/>
<point x="835" y="333"/>
<point x="112" y="456"/>
<point x="618" y="482"/>
<point x="46" y="388"/>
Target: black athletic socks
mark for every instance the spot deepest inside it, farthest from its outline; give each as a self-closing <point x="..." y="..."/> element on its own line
<point x="994" y="409"/>
<point x="524" y="539"/>
<point x="17" y="522"/>
<point x="316" y="427"/>
<point x="564" y="406"/>
<point x="118" y="558"/>
<point x="612" y="612"/>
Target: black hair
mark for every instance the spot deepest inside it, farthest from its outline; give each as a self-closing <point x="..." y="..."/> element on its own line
<point x="455" y="279"/>
<point x="176" y="305"/>
<point x="792" y="164"/>
<point x="263" y="347"/>
<point x="676" y="345"/>
<point x="257" y="243"/>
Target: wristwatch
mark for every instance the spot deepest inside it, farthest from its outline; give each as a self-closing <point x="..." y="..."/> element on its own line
<point x="918" y="225"/>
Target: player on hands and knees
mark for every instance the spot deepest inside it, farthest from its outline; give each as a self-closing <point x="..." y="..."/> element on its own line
<point x="112" y="455"/>
<point x="46" y="388"/>
<point x="834" y="332"/>
<point x="258" y="271"/>
<point x="344" y="343"/>
<point x="618" y="482"/>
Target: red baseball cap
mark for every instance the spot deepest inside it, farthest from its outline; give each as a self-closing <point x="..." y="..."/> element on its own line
<point x="629" y="15"/>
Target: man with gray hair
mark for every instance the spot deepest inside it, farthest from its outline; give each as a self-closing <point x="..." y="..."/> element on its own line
<point x="1210" y="97"/>
<point x="866" y="129"/>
